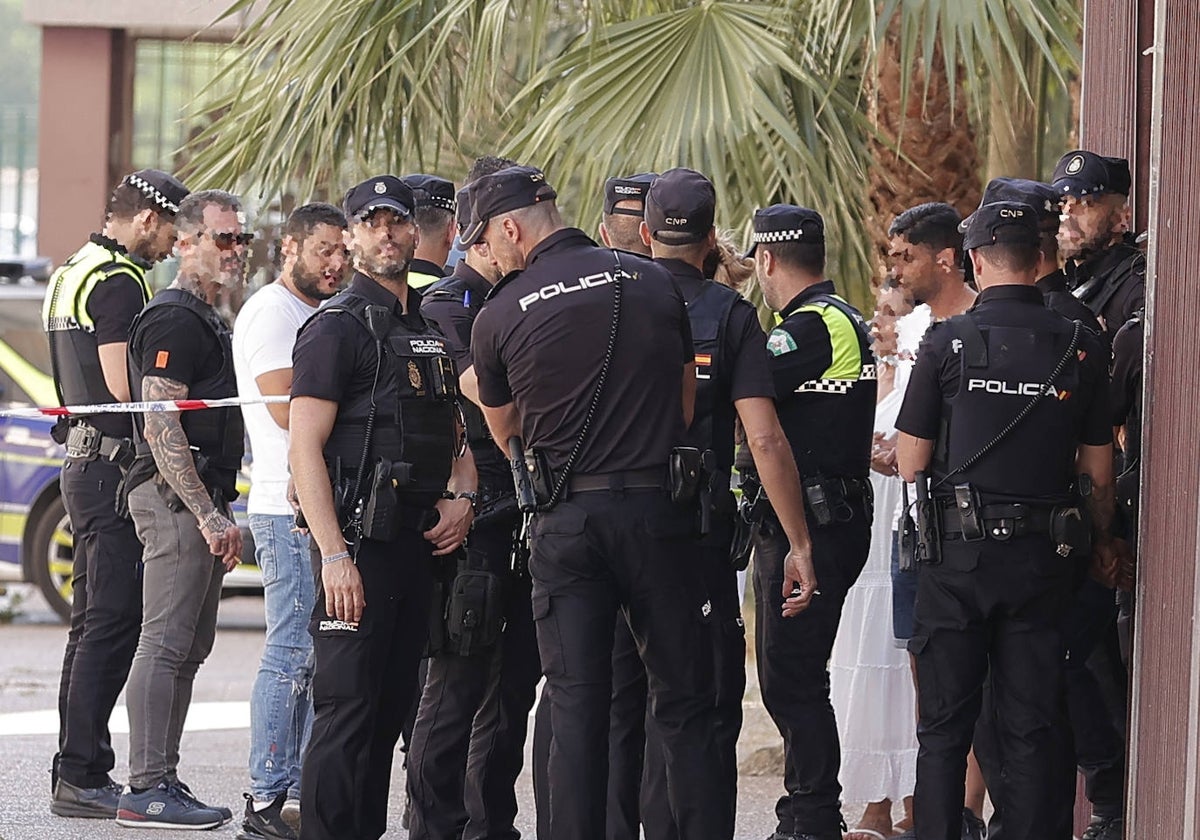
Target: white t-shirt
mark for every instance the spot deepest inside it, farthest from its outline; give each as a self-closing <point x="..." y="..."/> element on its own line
<point x="909" y="331"/>
<point x="263" y="337"/>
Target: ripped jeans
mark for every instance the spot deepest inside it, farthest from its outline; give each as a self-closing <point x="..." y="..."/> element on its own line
<point x="281" y="701"/>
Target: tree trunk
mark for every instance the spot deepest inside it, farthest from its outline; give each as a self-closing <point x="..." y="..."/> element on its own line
<point x="926" y="148"/>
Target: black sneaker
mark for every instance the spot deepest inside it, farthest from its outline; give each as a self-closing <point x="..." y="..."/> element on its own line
<point x="95" y="803"/>
<point x="1104" y="828"/>
<point x="291" y="813"/>
<point x="226" y="814"/>
<point x="266" y="822"/>
<point x="164" y="806"/>
<point x="973" y="828"/>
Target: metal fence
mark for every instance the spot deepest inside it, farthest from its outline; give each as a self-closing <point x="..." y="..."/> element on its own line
<point x="18" y="180"/>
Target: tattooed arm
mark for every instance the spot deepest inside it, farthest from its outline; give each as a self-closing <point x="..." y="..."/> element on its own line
<point x="173" y="456"/>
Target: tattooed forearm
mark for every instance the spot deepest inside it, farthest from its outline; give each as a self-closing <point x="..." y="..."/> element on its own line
<point x="169" y="444"/>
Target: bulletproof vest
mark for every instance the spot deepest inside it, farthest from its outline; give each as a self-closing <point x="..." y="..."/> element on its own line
<point x="1001" y="371"/>
<point x="415" y="409"/>
<point x="713" y="423"/>
<point x="217" y="433"/>
<point x="479" y="437"/>
<point x="830" y="420"/>
<point x="74" y="357"/>
<point x="1097" y="290"/>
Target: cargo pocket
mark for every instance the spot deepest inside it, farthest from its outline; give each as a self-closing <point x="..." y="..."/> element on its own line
<point x="341" y="653"/>
<point x="548" y="637"/>
<point x="928" y="693"/>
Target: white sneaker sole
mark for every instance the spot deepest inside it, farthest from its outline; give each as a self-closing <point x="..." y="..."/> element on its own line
<point x="139" y="823"/>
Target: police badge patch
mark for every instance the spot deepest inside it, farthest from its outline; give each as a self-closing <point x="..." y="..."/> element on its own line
<point x="780" y="342"/>
<point x="414" y="376"/>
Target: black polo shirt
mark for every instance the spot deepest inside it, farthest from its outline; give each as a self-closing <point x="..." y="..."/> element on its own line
<point x="1029" y="463"/>
<point x="452" y="304"/>
<point x="335" y="359"/>
<point x="540" y="342"/>
<point x="1126" y="390"/>
<point x="745" y="359"/>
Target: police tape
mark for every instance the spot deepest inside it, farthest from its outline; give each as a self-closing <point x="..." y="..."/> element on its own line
<point x="144" y="407"/>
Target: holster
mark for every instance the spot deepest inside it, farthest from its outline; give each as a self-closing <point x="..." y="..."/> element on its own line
<point x="920" y="537"/>
<point x="473" y="614"/>
<point x="140" y="470"/>
<point x="826" y="500"/>
<point x="684" y="473"/>
<point x="541" y="477"/>
<point x="1071" y="531"/>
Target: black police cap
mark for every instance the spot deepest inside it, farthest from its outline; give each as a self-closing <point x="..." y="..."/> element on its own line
<point x="163" y="189"/>
<point x="786" y="223"/>
<point x="633" y="188"/>
<point x="1037" y="194"/>
<point x="680" y="207"/>
<point x="1002" y="222"/>
<point x="1086" y="173"/>
<point x="509" y="189"/>
<point x="431" y="191"/>
<point x="462" y="211"/>
<point x="381" y="192"/>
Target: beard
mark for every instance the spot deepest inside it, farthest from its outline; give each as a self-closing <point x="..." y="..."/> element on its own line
<point x="309" y="284"/>
<point x="1080" y="248"/>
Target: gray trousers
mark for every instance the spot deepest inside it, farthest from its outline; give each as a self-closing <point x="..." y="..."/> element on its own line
<point x="180" y="592"/>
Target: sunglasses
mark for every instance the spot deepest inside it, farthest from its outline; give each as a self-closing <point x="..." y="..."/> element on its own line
<point x="227" y="241"/>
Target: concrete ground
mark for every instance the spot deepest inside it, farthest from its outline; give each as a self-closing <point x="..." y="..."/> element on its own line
<point x="216" y="742"/>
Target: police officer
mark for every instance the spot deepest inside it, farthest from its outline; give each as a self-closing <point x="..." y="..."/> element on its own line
<point x="1052" y="280"/>
<point x="1105" y="268"/>
<point x="89" y="305"/>
<point x="469" y="738"/>
<point x="586" y="354"/>
<point x="733" y="381"/>
<point x="1098" y="747"/>
<point x="434" y="217"/>
<point x="624" y="207"/>
<point x="373" y="456"/>
<point x="824" y="376"/>
<point x="1004" y="405"/>
<point x="179" y="490"/>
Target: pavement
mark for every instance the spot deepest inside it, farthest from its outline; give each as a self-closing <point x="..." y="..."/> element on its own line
<point x="216" y="740"/>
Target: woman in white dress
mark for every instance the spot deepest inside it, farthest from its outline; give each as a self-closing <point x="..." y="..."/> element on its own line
<point x="870" y="682"/>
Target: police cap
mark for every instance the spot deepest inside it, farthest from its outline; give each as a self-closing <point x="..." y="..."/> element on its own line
<point x="633" y="188"/>
<point x="382" y="191"/>
<point x="509" y="189"/>
<point x="431" y="191"/>
<point x="786" y="223"/>
<point x="462" y="211"/>
<point x="1086" y="173"/>
<point x="163" y="189"/>
<point x="680" y="207"/>
<point x="1001" y="222"/>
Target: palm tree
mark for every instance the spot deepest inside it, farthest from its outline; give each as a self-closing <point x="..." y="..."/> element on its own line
<point x="783" y="101"/>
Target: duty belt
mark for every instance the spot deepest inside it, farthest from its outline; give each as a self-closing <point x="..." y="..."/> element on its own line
<point x="1000" y="522"/>
<point x="86" y="442"/>
<point x="850" y="487"/>
<point x="654" y="478"/>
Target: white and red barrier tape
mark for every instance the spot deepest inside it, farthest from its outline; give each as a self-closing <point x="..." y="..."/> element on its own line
<point x="144" y="407"/>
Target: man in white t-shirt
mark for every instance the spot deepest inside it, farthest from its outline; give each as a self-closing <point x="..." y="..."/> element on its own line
<point x="314" y="262"/>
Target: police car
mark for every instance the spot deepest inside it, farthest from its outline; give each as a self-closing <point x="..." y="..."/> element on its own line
<point x="35" y="534"/>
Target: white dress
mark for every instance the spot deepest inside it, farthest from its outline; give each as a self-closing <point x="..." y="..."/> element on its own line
<point x="870" y="683"/>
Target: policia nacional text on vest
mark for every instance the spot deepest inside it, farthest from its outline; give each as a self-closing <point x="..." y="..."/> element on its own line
<point x="74" y="353"/>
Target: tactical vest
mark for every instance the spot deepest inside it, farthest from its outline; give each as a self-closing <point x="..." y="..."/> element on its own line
<point x="415" y="430"/>
<point x="74" y="357"/>
<point x="1098" y="290"/>
<point x="479" y="437"/>
<point x="1001" y="370"/>
<point x="713" y="423"/>
<point x="830" y="420"/>
<point x="218" y="433"/>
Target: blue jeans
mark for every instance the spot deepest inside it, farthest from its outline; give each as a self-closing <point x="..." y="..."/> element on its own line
<point x="281" y="701"/>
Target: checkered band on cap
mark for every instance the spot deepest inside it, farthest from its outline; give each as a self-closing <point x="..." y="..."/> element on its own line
<point x="151" y="192"/>
<point x="446" y="204"/>
<point x="777" y="235"/>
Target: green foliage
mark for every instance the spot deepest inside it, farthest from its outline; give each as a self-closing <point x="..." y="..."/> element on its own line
<point x="20" y="56"/>
<point x="767" y="98"/>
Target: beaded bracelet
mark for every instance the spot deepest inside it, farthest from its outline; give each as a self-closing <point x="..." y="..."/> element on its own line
<point x="333" y="558"/>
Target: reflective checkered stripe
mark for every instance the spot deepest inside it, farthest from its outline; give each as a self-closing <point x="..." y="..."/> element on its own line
<point x="835" y="386"/>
